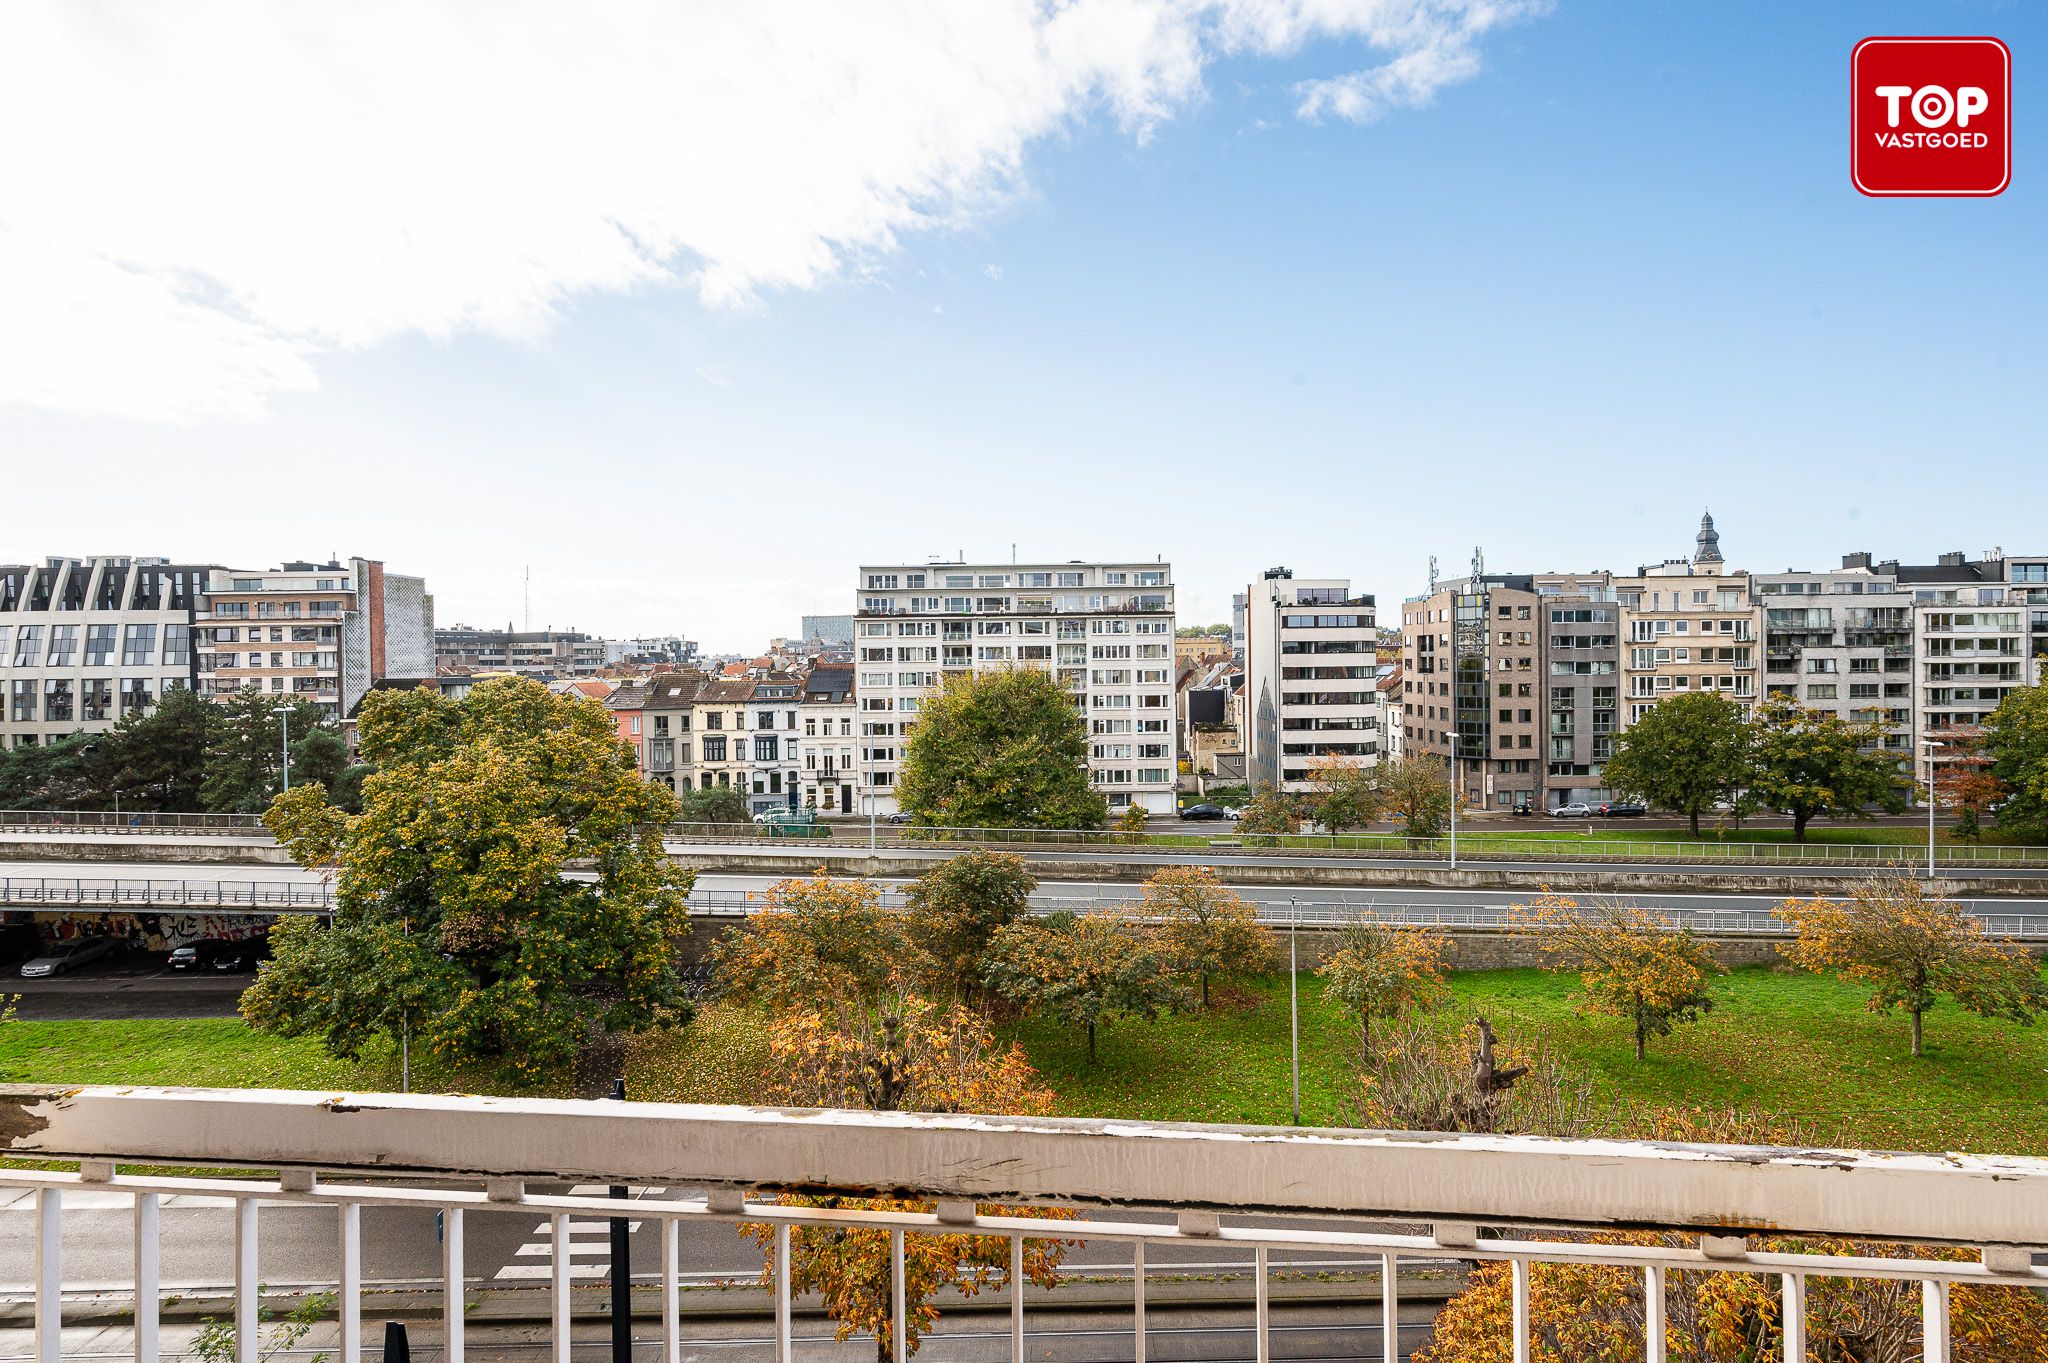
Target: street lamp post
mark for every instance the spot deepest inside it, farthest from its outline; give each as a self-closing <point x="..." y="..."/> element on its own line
<point x="1294" y="1006"/>
<point x="1454" y="796"/>
<point x="1930" y="744"/>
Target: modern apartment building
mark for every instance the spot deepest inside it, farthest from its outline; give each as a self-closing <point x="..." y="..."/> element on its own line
<point x="1841" y="640"/>
<point x="1472" y="686"/>
<point x="1105" y="629"/>
<point x="1311" y="665"/>
<point x="530" y="653"/>
<point x="324" y="633"/>
<point x="1972" y="638"/>
<point x="1581" y="689"/>
<point x="84" y="641"/>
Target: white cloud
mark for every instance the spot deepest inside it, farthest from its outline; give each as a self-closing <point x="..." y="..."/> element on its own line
<point x="197" y="201"/>
<point x="993" y="272"/>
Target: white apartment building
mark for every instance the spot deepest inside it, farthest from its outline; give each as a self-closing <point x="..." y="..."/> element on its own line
<point x="774" y="752"/>
<point x="1311" y="677"/>
<point x="84" y="641"/>
<point x="1105" y="629"/>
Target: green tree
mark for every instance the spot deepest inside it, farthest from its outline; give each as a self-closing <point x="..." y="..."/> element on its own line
<point x="2016" y="740"/>
<point x="1912" y="947"/>
<point x="713" y="804"/>
<point x="160" y="755"/>
<point x="46" y="776"/>
<point x="955" y="910"/>
<point x="453" y="919"/>
<point x="1001" y="749"/>
<point x="1344" y="792"/>
<point x="1268" y="811"/>
<point x="1809" y="762"/>
<point x="1417" y="792"/>
<point x="1684" y="754"/>
<point x="246" y="745"/>
<point x="1085" y="970"/>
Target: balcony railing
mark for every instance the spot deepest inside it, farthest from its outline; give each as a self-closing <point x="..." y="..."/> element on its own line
<point x="1232" y="1192"/>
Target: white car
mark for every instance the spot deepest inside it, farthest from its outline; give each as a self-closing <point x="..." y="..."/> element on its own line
<point x="66" y="955"/>
<point x="1575" y="810"/>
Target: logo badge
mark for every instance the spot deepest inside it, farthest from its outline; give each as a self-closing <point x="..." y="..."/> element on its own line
<point x="1930" y="117"/>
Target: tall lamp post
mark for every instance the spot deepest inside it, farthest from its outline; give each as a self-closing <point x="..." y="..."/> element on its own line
<point x="1294" y="1005"/>
<point x="1930" y="744"/>
<point x="1454" y="790"/>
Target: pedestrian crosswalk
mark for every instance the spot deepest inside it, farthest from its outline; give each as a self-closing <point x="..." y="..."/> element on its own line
<point x="587" y="1245"/>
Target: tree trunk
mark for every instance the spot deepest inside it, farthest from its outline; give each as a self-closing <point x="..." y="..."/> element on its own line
<point x="1694" y="815"/>
<point x="1799" y="826"/>
<point x="1641" y="1035"/>
<point x="1091" y="1043"/>
<point x="1205" y="991"/>
<point x="1364" y="1038"/>
<point x="1916" y="1031"/>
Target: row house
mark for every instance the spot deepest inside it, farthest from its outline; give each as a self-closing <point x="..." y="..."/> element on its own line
<point x="693" y="732"/>
<point x="831" y="777"/>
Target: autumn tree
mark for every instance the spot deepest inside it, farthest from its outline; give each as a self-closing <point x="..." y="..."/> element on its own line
<point x="816" y="939"/>
<point x="453" y="919"/>
<point x="954" y="911"/>
<point x="1130" y="824"/>
<point x="1003" y="749"/>
<point x="1686" y="753"/>
<point x="902" y="1053"/>
<point x="1633" y="963"/>
<point x="1807" y="762"/>
<point x="2016" y="739"/>
<point x="1912" y="947"/>
<point x="1379" y="971"/>
<point x="1085" y="970"/>
<point x="1346" y="793"/>
<point x="1963" y="780"/>
<point x="1208" y="928"/>
<point x="1268" y="811"/>
<point x="1418" y="793"/>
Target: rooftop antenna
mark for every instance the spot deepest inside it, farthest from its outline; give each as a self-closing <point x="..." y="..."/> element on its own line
<point x="529" y="598"/>
<point x="1432" y="574"/>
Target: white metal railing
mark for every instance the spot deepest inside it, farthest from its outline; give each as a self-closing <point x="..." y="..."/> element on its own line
<point x="110" y="821"/>
<point x="1474" y="1198"/>
<point x="1223" y="840"/>
<point x="125" y="892"/>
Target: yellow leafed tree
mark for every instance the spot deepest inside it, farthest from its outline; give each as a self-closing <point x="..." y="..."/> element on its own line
<point x="1633" y="963"/>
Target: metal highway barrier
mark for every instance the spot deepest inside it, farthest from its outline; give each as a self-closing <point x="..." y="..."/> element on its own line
<point x="127" y="892"/>
<point x="1478" y="845"/>
<point x="107" y="821"/>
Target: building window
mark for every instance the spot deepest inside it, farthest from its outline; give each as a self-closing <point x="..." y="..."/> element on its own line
<point x="138" y="646"/>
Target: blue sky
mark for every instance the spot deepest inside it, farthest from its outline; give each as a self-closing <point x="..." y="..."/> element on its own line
<point x="1615" y="276"/>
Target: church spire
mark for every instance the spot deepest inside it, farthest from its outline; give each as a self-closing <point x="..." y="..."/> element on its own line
<point x="1708" y="540"/>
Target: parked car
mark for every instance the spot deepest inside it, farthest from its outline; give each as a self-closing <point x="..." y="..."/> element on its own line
<point x="898" y="817"/>
<point x="245" y="954"/>
<point x="1577" y="809"/>
<point x="1626" y="809"/>
<point x="200" y="955"/>
<point x="67" y="956"/>
<point x="1214" y="813"/>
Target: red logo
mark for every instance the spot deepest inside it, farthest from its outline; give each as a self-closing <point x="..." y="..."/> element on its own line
<point x="1931" y="117"/>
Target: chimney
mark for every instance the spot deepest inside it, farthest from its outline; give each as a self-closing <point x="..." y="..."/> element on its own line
<point x="1955" y="559"/>
<point x="1856" y="561"/>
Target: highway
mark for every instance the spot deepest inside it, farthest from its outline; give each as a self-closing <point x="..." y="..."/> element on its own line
<point x="719" y="892"/>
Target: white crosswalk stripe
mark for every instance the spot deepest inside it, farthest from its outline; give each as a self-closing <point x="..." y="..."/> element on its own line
<point x="589" y="1248"/>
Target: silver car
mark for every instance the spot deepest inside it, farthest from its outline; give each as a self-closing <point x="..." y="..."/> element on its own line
<point x="66" y="955"/>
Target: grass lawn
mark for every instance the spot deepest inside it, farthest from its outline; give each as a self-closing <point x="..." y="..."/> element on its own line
<point x="1798" y="1046"/>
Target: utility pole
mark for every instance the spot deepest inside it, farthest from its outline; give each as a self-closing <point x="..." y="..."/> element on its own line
<point x="1454" y="786"/>
<point x="286" y="717"/>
